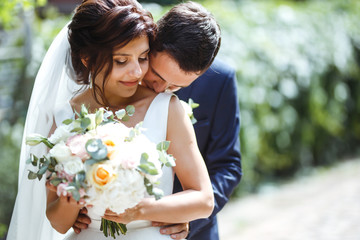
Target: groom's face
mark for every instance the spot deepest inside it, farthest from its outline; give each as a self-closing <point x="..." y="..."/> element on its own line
<point x="164" y="74"/>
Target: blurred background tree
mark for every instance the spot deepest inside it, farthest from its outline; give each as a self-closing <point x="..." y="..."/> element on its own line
<point x="298" y="72"/>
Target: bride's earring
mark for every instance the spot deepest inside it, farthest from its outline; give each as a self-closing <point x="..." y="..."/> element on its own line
<point x="90" y="81"/>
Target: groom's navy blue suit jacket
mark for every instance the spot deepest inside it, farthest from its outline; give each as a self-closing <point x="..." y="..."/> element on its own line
<point x="217" y="133"/>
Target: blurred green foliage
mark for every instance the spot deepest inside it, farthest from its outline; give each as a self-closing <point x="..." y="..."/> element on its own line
<point x="298" y="73"/>
<point x="298" y="69"/>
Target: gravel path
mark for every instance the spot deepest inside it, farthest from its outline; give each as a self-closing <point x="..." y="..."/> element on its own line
<point x="323" y="206"/>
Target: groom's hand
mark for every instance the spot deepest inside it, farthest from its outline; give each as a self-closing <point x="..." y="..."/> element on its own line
<point x="82" y="221"/>
<point x="176" y="231"/>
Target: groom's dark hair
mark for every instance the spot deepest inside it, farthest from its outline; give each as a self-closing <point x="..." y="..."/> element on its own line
<point x="190" y="34"/>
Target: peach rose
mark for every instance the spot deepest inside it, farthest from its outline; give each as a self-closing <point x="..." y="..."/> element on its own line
<point x="101" y="174"/>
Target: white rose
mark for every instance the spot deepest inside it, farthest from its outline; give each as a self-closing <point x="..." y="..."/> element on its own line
<point x="61" y="134"/>
<point x="73" y="166"/>
<point x="61" y="152"/>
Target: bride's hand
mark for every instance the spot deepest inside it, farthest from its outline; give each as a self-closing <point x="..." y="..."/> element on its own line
<point x="128" y="216"/>
<point x="69" y="200"/>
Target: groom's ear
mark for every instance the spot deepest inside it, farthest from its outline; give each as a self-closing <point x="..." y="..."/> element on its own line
<point x="84" y="61"/>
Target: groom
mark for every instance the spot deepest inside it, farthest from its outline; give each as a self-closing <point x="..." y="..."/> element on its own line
<point x="183" y="57"/>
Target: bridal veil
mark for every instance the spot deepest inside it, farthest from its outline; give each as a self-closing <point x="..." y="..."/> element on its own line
<point x="53" y="86"/>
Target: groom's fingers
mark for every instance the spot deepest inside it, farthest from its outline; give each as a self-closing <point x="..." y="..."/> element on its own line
<point x="176" y="231"/>
<point x="83" y="219"/>
<point x="76" y="230"/>
<point x="180" y="235"/>
<point x="80" y="225"/>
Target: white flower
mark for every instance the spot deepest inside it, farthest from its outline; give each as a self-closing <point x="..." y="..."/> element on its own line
<point x="73" y="166"/>
<point x="34" y="139"/>
<point x="92" y="118"/>
<point x="61" y="152"/>
<point x="61" y="134"/>
<point x="126" y="191"/>
<point x="187" y="108"/>
<point x="114" y="131"/>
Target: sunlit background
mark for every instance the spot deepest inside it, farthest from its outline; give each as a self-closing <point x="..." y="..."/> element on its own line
<point x="298" y="73"/>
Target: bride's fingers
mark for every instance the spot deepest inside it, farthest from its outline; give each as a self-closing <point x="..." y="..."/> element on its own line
<point x="50" y="187"/>
<point x="112" y="218"/>
<point x="110" y="213"/>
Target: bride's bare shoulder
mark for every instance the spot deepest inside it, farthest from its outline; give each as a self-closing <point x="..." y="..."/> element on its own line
<point x="80" y="99"/>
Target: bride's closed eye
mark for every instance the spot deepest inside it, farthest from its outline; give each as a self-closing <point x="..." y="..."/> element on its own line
<point x="144" y="59"/>
<point x="120" y="61"/>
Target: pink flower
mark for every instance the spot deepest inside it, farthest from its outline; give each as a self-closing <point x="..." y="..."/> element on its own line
<point x="77" y="146"/>
<point x="61" y="189"/>
<point x="63" y="175"/>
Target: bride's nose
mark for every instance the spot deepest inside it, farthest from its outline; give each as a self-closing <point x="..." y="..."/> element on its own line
<point x="135" y="70"/>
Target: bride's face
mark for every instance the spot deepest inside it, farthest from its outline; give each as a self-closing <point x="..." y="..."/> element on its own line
<point x="130" y="63"/>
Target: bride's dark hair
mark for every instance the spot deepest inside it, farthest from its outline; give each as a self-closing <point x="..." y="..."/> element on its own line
<point x="96" y="29"/>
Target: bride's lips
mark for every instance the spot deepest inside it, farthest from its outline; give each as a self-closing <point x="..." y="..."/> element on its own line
<point x="130" y="84"/>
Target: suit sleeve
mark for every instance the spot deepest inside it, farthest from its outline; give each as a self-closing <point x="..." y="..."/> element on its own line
<point x="222" y="156"/>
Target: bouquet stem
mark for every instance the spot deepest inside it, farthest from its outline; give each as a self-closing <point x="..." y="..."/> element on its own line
<point x="109" y="228"/>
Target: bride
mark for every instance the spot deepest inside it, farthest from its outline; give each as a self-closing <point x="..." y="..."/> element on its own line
<point x="108" y="41"/>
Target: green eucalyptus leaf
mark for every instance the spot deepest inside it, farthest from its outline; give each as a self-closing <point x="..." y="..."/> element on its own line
<point x="85" y="122"/>
<point x="170" y="161"/>
<point x="56" y="181"/>
<point x="77" y="130"/>
<point x="80" y="176"/>
<point x="53" y="161"/>
<point x="144" y="158"/>
<point x="75" y="195"/>
<point x="43" y="169"/>
<point x="67" y="121"/>
<point x="125" y="118"/>
<point x="130" y="110"/>
<point x="96" y="149"/>
<point x="162" y="157"/>
<point x="32" y="175"/>
<point x="120" y="114"/>
<point x="158" y="193"/>
<point x="163" y="146"/>
<point x="39" y="176"/>
<point x="92" y="161"/>
<point x="148" y="168"/>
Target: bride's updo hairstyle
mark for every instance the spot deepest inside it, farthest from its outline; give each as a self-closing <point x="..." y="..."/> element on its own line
<point x="97" y="28"/>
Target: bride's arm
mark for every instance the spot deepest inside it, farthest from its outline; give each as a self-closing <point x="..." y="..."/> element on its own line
<point x="61" y="211"/>
<point x="196" y="201"/>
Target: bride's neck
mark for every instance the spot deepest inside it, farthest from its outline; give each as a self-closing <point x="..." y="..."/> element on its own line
<point x="114" y="103"/>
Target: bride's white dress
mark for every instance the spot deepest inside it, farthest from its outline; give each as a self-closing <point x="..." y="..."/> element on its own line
<point x="155" y="123"/>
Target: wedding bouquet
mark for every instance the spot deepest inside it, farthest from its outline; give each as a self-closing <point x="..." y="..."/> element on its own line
<point x="96" y="159"/>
